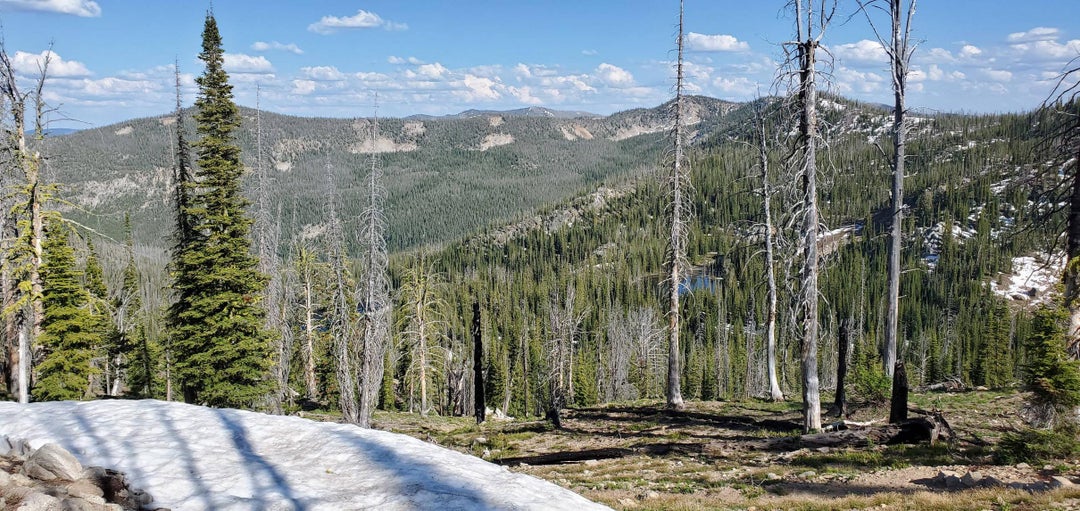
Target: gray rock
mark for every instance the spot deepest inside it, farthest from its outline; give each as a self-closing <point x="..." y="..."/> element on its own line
<point x="944" y="475"/>
<point x="39" y="502"/>
<point x="971" y="479"/>
<point x="807" y="475"/>
<point x="52" y="462"/>
<point x="953" y="482"/>
<point x="83" y="489"/>
<point x="77" y="504"/>
<point x="1023" y="466"/>
<point x="772" y="477"/>
<point x="5" y="478"/>
<point x="990" y="482"/>
<point x="1016" y="486"/>
<point x="1061" y="482"/>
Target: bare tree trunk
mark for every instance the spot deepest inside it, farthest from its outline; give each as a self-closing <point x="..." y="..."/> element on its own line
<point x="840" y="405"/>
<point x="306" y="263"/>
<point x="375" y="292"/>
<point x="341" y="310"/>
<point x="770" y="270"/>
<point x="898" y="405"/>
<point x="677" y="241"/>
<point x="807" y="45"/>
<point x="479" y="403"/>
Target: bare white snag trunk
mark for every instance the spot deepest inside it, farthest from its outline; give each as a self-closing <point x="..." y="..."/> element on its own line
<point x="677" y="241"/>
<point x="806" y="46"/>
<point x="374" y="295"/>
<point x="899" y="51"/>
<point x="770" y="271"/>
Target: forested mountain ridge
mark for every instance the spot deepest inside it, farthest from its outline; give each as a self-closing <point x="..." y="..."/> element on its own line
<point x="970" y="198"/>
<point x="445" y="177"/>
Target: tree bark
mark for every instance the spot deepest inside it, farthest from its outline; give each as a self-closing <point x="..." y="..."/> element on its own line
<point x="898" y="405"/>
<point x="677" y="241"/>
<point x="840" y="405"/>
<point x="479" y="403"/>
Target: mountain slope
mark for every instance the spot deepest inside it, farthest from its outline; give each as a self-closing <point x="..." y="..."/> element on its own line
<point x="445" y="177"/>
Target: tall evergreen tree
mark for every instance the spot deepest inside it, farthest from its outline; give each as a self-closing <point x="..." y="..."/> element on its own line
<point x="218" y="337"/>
<point x="69" y="330"/>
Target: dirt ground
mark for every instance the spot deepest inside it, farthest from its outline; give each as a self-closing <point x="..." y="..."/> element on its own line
<point x="746" y="455"/>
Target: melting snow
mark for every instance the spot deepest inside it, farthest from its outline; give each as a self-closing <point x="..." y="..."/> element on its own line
<point x="192" y="458"/>
<point x="1031" y="279"/>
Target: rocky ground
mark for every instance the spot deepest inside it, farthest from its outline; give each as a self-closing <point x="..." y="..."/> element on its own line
<point x="51" y="479"/>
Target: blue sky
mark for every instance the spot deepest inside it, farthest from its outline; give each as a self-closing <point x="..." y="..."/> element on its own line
<point x="113" y="58"/>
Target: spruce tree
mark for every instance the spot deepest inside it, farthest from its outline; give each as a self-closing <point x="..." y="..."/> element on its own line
<point x="69" y="330"/>
<point x="218" y="338"/>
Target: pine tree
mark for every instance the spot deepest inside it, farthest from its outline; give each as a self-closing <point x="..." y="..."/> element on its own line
<point x="217" y="324"/>
<point x="1052" y="378"/>
<point x="69" y="330"/>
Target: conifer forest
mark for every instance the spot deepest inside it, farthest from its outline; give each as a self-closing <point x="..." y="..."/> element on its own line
<point x="801" y="250"/>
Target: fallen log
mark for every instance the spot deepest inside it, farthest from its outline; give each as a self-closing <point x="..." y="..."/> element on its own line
<point x="932" y="429"/>
<point x="556" y="458"/>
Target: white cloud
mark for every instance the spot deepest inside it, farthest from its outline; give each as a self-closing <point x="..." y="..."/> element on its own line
<point x="525" y="95"/>
<point x="590" y="53"/>
<point x="395" y="60"/>
<point x="996" y="75"/>
<point x="111" y="86"/>
<point x="478" y="89"/>
<point x="362" y="19"/>
<point x="1035" y="34"/>
<point x="274" y="45"/>
<point x="82" y="8"/>
<point x="717" y="42"/>
<point x="432" y="71"/>
<point x="242" y="63"/>
<point x="614" y="76"/>
<point x="1048" y="50"/>
<point x="30" y="64"/>
<point x="863" y="52"/>
<point x="303" y="87"/>
<point x="970" y="51"/>
<point x="322" y="73"/>
<point x="937" y="55"/>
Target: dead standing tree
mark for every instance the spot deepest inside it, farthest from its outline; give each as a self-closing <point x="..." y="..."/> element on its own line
<point x="810" y="25"/>
<point x="678" y="212"/>
<point x="22" y="256"/>
<point x="899" y="50"/>
<point x="373" y="294"/>
<point x="563" y="330"/>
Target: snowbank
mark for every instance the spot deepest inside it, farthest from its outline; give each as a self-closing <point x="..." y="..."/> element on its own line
<point x="193" y="458"/>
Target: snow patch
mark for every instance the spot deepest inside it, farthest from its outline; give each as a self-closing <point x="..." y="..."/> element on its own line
<point x="192" y="458"/>
<point x="1032" y="279"/>
<point x="496" y="121"/>
<point x="126" y="130"/>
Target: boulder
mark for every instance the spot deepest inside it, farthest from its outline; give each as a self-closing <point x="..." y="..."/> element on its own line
<point x="35" y="501"/>
<point x="52" y="462"/>
<point x="1061" y="482"/>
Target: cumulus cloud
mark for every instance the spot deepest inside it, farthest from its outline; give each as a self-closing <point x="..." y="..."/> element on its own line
<point x="432" y="71"/>
<point x="274" y="45"/>
<point x="862" y="52"/>
<point x="525" y="95"/>
<point x="243" y="63"/>
<point x="614" y="76"/>
<point x="970" y="51"/>
<point x="322" y="73"/>
<point x="29" y="64"/>
<point x="362" y="19"/>
<point x="82" y="8"/>
<point x="996" y="75"/>
<point x="478" y="89"/>
<point x="1035" y="34"/>
<point x="717" y="42"/>
<point x="303" y="87"/>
